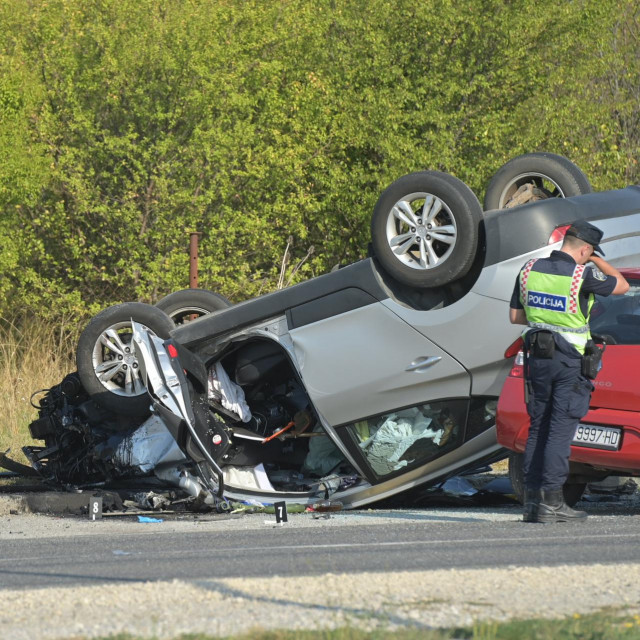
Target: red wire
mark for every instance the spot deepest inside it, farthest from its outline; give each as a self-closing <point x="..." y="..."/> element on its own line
<point x="277" y="433"/>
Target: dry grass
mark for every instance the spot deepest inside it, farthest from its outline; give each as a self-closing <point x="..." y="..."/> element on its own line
<point x="501" y="467"/>
<point x="33" y="355"/>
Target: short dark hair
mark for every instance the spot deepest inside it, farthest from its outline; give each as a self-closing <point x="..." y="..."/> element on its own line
<point x="572" y="242"/>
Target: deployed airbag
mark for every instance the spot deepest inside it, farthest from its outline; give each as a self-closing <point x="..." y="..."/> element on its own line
<point x="149" y="446"/>
<point x="230" y="395"/>
<point x="394" y="437"/>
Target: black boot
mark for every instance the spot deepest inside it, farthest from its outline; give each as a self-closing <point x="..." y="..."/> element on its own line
<point x="553" y="508"/>
<point x="531" y="503"/>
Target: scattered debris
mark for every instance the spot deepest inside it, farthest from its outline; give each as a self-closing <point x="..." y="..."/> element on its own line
<point x="15" y="467"/>
<point x="148" y="519"/>
<point x="610" y="489"/>
<point x="151" y="500"/>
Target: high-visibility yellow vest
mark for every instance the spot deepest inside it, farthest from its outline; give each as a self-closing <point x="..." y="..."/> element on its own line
<point x="551" y="302"/>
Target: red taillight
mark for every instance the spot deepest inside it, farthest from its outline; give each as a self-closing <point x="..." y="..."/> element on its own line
<point x="173" y="352"/>
<point x="517" y="370"/>
<point x="558" y="234"/>
<point x="514" y="348"/>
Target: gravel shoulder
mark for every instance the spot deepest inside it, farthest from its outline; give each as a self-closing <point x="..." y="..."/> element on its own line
<point x="423" y="599"/>
<point x="219" y="607"/>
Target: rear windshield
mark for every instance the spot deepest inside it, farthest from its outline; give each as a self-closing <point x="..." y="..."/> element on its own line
<point x="617" y="318"/>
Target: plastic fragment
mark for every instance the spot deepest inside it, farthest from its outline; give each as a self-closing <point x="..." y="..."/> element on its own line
<point x="147" y="519"/>
<point x="458" y="486"/>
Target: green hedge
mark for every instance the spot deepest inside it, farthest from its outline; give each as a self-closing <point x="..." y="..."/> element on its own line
<point x="126" y="124"/>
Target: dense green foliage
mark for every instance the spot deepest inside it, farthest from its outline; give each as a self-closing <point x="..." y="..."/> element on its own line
<point x="126" y="124"/>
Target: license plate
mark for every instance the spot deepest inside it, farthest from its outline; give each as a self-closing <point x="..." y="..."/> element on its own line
<point x="596" y="437"/>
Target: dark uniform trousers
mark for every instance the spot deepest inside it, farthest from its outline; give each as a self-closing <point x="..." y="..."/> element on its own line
<point x="559" y="398"/>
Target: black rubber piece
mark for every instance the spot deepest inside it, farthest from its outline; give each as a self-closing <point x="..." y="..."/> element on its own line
<point x="145" y="314"/>
<point x="464" y="208"/>
<point x="328" y="306"/>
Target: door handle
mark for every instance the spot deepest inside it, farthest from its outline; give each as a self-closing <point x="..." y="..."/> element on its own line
<point x="422" y="364"/>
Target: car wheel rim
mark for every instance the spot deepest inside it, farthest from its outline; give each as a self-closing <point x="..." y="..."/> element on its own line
<point x="540" y="180"/>
<point x="421" y="231"/>
<point x="115" y="362"/>
<point x="187" y="314"/>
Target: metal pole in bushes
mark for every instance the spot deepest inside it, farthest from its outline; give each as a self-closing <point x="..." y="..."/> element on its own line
<point x="193" y="260"/>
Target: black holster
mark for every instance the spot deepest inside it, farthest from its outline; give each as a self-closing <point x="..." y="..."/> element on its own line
<point x="539" y="344"/>
<point x="542" y="344"/>
<point x="591" y="359"/>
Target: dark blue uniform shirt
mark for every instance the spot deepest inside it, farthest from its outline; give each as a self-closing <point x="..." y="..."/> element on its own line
<point x="562" y="264"/>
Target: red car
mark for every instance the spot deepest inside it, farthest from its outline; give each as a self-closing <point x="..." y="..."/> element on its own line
<point x="607" y="440"/>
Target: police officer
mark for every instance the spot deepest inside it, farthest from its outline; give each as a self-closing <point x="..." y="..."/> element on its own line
<point x="554" y="296"/>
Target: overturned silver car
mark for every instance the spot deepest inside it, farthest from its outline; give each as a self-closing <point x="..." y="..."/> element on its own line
<point x="355" y="386"/>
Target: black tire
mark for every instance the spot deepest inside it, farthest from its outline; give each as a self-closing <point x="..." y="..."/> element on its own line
<point x="553" y="175"/>
<point x="425" y="257"/>
<point x="121" y="390"/>
<point x="180" y="306"/>
<point x="572" y="490"/>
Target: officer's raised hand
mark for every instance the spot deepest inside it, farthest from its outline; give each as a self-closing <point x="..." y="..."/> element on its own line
<point x="602" y="266"/>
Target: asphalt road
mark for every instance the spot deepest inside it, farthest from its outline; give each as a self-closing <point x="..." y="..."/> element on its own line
<point x="72" y="552"/>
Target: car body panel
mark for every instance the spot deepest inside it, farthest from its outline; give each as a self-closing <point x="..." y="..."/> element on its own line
<point x="513" y="429"/>
<point x="479" y="343"/>
<point x="368" y="361"/>
<point x="360" y="276"/>
<point x="618" y="383"/>
<point x="516" y="232"/>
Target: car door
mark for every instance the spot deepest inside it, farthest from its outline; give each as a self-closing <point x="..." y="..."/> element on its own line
<point x="368" y="361"/>
<point x="398" y="400"/>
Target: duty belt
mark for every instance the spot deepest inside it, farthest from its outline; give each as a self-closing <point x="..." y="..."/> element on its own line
<point x="553" y="327"/>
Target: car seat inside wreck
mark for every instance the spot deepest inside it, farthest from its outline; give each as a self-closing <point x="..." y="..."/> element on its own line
<point x="276" y="439"/>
